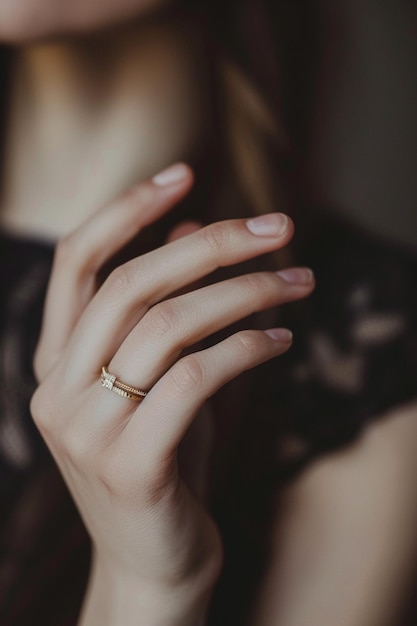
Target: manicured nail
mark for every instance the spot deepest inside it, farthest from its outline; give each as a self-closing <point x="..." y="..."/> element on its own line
<point x="297" y="275"/>
<point x="280" y="334"/>
<point x="171" y="175"/>
<point x="271" y="225"/>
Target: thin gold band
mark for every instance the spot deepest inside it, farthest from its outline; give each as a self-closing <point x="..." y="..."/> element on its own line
<point x="109" y="381"/>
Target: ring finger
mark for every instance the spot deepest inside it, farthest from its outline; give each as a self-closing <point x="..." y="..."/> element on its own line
<point x="173" y="325"/>
<point x="143" y="282"/>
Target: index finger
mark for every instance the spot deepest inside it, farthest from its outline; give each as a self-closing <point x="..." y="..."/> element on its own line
<point x="80" y="255"/>
<point x="134" y="287"/>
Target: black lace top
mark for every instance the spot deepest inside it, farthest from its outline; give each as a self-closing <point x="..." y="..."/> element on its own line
<point x="354" y="357"/>
<point x="44" y="548"/>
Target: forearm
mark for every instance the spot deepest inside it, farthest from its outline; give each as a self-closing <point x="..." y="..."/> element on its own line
<point x="115" y="600"/>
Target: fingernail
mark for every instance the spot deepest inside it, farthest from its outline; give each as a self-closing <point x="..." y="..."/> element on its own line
<point x="271" y="225"/>
<point x="171" y="175"/>
<point x="280" y="334"/>
<point x="297" y="275"/>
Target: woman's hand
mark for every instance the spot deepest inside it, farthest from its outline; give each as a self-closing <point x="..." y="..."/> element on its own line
<point x="157" y="552"/>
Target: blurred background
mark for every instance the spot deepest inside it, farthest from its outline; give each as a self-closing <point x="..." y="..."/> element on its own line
<point x="303" y="106"/>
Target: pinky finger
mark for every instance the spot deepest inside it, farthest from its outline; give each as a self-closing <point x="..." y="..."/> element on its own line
<point x="165" y="416"/>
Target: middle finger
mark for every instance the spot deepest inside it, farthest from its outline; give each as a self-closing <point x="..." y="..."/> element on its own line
<point x="133" y="288"/>
<point x="173" y="325"/>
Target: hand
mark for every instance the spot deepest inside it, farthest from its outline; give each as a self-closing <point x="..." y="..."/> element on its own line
<point x="148" y="523"/>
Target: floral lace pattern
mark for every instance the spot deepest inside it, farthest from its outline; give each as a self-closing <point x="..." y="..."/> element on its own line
<point x="43" y="545"/>
<point x="355" y="351"/>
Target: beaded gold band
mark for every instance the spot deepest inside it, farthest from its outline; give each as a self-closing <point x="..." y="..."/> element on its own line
<point x="109" y="381"/>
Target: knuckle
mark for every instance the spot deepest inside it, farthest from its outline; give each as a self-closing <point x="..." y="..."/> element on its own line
<point x="138" y="196"/>
<point x="75" y="256"/>
<point x="216" y="237"/>
<point x="188" y="374"/>
<point x="247" y="345"/>
<point x="258" y="284"/>
<point x="162" y="319"/>
<point x="42" y="410"/>
<point x="66" y="251"/>
<point x="120" y="281"/>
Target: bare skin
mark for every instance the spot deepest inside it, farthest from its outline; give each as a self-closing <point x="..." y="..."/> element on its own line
<point x="345" y="545"/>
<point x="157" y="551"/>
<point x="85" y="114"/>
<point x="150" y="573"/>
<point x="66" y="135"/>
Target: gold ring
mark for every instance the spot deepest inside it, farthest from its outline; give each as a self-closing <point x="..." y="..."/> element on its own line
<point x="109" y="381"/>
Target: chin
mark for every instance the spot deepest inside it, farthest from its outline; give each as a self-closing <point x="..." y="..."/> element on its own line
<point x="15" y="31"/>
<point x="28" y="21"/>
<point x="24" y="21"/>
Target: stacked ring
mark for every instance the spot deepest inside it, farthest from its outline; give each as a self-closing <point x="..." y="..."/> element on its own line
<point x="109" y="381"/>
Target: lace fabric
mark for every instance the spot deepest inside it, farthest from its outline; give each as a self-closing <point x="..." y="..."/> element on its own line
<point x="354" y="357"/>
<point x="44" y="547"/>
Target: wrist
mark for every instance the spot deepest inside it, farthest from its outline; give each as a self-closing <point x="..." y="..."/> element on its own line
<point x="114" y="598"/>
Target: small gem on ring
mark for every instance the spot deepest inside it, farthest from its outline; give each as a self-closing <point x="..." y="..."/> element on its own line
<point x="107" y="380"/>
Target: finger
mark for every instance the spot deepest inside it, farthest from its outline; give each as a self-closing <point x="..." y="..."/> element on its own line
<point x="182" y="230"/>
<point x="161" y="421"/>
<point x="80" y="255"/>
<point x="178" y="323"/>
<point x="133" y="288"/>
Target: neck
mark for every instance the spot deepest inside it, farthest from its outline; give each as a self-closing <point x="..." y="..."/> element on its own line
<point x="90" y="118"/>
